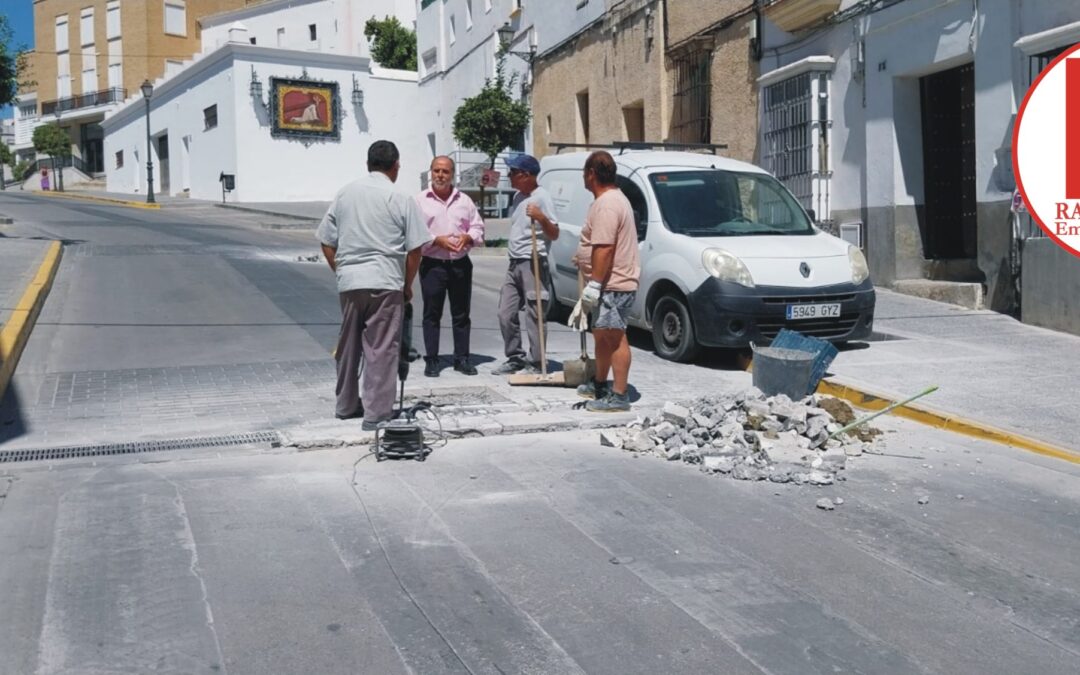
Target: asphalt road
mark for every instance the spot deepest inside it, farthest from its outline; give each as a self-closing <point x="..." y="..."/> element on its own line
<point x="527" y="554"/>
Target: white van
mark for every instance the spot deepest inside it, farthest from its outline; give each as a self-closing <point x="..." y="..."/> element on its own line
<point x="728" y="256"/>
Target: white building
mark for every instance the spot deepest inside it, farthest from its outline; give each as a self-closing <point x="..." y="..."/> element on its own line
<point x="895" y="119"/>
<point x="218" y="114"/>
<point x="457" y="46"/>
<point x="331" y="26"/>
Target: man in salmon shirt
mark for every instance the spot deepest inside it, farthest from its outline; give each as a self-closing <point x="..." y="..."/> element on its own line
<point x="445" y="269"/>
<point x="608" y="257"/>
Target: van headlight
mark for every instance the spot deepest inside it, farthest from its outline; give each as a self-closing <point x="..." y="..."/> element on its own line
<point x="726" y="267"/>
<point x="859" y="269"/>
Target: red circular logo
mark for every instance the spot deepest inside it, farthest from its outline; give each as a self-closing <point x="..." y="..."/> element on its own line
<point x="1046" y="150"/>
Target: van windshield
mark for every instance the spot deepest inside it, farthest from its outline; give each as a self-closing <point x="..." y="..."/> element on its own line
<point x="712" y="203"/>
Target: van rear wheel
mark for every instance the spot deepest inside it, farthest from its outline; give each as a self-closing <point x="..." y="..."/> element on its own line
<point x="673" y="331"/>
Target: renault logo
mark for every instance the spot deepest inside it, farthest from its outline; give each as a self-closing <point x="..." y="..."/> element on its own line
<point x="804" y="270"/>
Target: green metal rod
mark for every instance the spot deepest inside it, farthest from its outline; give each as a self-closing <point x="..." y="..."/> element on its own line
<point x="864" y="420"/>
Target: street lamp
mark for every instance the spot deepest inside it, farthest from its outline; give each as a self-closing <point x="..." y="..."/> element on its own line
<point x="59" y="173"/>
<point x="148" y="91"/>
<point x="506" y="36"/>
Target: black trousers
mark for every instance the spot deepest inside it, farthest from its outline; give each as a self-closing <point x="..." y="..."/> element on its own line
<point x="438" y="279"/>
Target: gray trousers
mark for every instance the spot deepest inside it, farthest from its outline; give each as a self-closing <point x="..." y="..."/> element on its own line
<point x="519" y="291"/>
<point x="370" y="330"/>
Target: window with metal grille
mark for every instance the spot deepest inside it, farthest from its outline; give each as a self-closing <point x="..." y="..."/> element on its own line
<point x="795" y="138"/>
<point x="693" y="116"/>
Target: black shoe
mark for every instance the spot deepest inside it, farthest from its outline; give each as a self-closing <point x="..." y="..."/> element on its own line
<point x="431" y="367"/>
<point x="464" y="367"/>
<point x="510" y="367"/>
<point x="353" y="415"/>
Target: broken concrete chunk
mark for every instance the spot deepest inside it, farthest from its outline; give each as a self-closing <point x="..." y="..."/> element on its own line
<point x="665" y="430"/>
<point x="673" y="443"/>
<point x="819" y="478"/>
<point x="825" y="504"/>
<point x="757" y="409"/>
<point x="747" y="472"/>
<point x="925" y="499"/>
<point x="703" y="420"/>
<point x="673" y="454"/>
<point x="639" y="442"/>
<point x="610" y="439"/>
<point x="675" y="413"/>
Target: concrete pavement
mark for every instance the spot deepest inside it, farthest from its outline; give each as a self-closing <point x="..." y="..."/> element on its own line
<point x="551" y="556"/>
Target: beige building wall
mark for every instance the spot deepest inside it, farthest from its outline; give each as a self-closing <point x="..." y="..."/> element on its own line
<point x="722" y="26"/>
<point x="622" y="75"/>
<point x="145" y="45"/>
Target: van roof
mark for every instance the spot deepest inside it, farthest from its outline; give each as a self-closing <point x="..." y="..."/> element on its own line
<point x="652" y="159"/>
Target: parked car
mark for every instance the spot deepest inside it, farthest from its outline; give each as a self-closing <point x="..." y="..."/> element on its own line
<point x="728" y="255"/>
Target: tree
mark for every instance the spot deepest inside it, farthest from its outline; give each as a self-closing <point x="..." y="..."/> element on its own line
<point x="7" y="157"/>
<point x="392" y="44"/>
<point x="492" y="120"/>
<point x="13" y="65"/>
<point x="51" y="140"/>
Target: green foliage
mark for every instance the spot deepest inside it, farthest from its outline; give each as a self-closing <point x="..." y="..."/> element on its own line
<point x="392" y="44"/>
<point x="7" y="157"/>
<point x="20" y="169"/>
<point x="491" y="120"/>
<point x="12" y="65"/>
<point x="50" y="139"/>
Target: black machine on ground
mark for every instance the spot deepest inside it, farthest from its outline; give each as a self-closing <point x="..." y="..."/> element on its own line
<point x="402" y="437"/>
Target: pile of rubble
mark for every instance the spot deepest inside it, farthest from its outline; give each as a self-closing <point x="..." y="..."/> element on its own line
<point x="749" y="436"/>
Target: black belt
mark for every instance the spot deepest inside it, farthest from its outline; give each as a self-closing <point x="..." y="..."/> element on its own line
<point x="515" y="261"/>
<point x="444" y="261"/>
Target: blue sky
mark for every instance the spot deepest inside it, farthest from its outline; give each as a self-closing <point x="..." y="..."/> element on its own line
<point x="20" y="16"/>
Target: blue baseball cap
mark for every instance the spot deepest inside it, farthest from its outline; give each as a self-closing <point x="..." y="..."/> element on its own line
<point x="526" y="163"/>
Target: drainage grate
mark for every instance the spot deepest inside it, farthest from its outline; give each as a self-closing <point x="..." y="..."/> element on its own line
<point x="74" y="451"/>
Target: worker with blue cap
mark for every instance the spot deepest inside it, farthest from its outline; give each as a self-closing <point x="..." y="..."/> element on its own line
<point x="530" y="207"/>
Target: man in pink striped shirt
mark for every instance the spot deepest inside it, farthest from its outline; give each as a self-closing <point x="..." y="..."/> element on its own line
<point x="445" y="269"/>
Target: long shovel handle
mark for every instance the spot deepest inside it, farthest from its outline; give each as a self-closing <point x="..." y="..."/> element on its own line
<point x="580" y="288"/>
<point x="889" y="408"/>
<point x="539" y="300"/>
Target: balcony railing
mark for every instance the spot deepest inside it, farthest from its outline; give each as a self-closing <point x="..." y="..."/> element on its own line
<point x="94" y="98"/>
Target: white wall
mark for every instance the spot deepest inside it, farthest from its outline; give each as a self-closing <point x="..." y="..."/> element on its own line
<point x="280" y="169"/>
<point x="340" y="24"/>
<point x="267" y="169"/>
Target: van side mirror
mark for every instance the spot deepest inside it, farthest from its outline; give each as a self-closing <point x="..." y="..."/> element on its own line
<point x="813" y="216"/>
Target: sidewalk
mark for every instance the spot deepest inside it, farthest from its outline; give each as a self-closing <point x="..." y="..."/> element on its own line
<point x="989" y="367"/>
<point x="135" y="199"/>
<point x="19" y="262"/>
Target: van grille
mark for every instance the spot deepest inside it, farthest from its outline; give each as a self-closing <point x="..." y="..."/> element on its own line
<point x="801" y="299"/>
<point x="831" y="328"/>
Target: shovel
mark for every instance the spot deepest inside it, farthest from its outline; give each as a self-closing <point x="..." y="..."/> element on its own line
<point x="580" y="371"/>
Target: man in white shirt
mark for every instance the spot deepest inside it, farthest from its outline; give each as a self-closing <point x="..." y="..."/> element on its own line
<point x="371" y="237"/>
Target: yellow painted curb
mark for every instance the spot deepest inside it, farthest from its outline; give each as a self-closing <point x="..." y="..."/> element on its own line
<point x="960" y="425"/>
<point x="15" y="333"/>
<point x="103" y="200"/>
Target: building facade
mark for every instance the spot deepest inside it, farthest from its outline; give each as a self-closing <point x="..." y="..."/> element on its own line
<point x="92" y="54"/>
<point x="904" y="116"/>
<point x="655" y="71"/>
<point x="284" y="124"/>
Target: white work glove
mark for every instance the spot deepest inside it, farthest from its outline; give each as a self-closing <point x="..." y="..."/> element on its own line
<point x="590" y="297"/>
<point x="579" y="318"/>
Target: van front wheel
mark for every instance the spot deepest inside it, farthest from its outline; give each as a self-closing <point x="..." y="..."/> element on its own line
<point x="673" y="331"/>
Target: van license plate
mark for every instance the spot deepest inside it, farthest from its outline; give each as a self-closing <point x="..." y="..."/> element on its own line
<point x="829" y="311"/>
